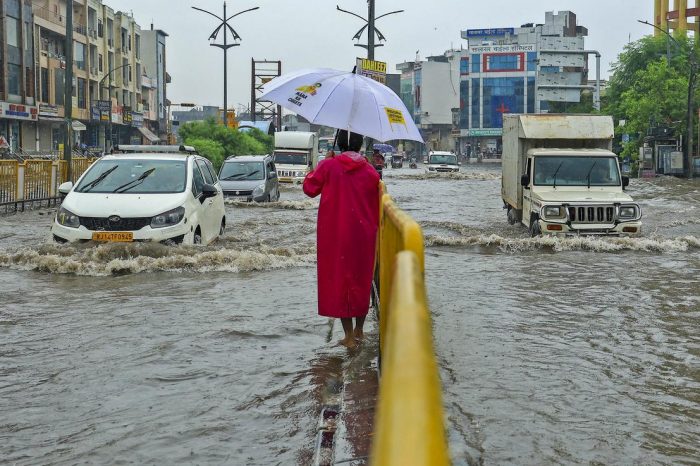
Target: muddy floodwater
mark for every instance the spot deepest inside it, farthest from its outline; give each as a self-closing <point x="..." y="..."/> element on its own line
<point x="551" y="351"/>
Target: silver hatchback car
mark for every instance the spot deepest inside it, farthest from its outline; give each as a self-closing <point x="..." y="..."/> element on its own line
<point x="250" y="178"/>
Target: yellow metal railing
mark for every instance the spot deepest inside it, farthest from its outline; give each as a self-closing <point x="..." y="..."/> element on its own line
<point x="9" y="180"/>
<point x="409" y="424"/>
<point x="36" y="179"/>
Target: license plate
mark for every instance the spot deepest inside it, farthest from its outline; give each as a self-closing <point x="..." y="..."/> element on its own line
<point x="116" y="236"/>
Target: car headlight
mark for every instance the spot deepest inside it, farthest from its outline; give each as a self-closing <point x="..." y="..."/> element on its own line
<point x="300" y="174"/>
<point x="259" y="190"/>
<point x="628" y="211"/>
<point x="169" y="218"/>
<point x="431" y="169"/>
<point x="67" y="218"/>
<point x="552" y="211"/>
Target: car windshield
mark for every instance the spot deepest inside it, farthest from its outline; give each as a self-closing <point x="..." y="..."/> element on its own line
<point x="446" y="159"/>
<point x="576" y="171"/>
<point x="234" y="170"/>
<point x="290" y="158"/>
<point x="141" y="176"/>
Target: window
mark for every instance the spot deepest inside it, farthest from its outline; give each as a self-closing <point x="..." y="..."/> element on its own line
<point x="476" y="60"/>
<point x="44" y="85"/>
<point x="99" y="62"/>
<point x="138" y="47"/>
<point x="531" y="94"/>
<point x="12" y="32"/>
<point x="475" y="102"/>
<point x="59" y="76"/>
<point x="502" y="95"/>
<point x="80" y="55"/>
<point x="504" y="61"/>
<point x="464" y="65"/>
<point x="81" y="93"/>
<point x="197" y="181"/>
<point x="14" y="78"/>
<point x="27" y="37"/>
<point x="205" y="171"/>
<point x="100" y="28"/>
<point x="532" y="61"/>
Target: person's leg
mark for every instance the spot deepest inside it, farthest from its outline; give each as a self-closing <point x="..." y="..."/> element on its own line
<point x="359" y="323"/>
<point x="348" y="341"/>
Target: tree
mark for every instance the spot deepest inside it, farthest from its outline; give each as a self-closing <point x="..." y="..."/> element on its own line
<point x="219" y="141"/>
<point x="647" y="88"/>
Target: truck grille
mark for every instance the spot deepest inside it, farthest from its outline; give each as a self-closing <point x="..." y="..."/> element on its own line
<point x="120" y="224"/>
<point x="591" y="214"/>
<point x="443" y="169"/>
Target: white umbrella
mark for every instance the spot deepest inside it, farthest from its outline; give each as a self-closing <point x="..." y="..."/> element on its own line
<point x="343" y="100"/>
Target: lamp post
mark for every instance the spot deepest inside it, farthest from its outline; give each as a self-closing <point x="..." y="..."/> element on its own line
<point x="225" y="46"/>
<point x="108" y="136"/>
<point x="68" y="91"/>
<point x="371" y="29"/>
<point x="692" y="77"/>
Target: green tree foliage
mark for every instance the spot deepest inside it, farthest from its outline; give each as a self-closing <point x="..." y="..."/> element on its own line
<point x="216" y="142"/>
<point x="646" y="90"/>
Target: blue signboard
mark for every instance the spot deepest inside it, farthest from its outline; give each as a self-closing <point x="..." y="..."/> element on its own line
<point x="490" y="32"/>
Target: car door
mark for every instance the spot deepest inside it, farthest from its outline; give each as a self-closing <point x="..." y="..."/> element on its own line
<point x="273" y="180"/>
<point x="211" y="207"/>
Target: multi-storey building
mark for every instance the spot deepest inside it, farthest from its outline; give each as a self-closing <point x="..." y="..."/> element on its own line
<point x="18" y="110"/>
<point x="502" y="70"/>
<point x="108" y="75"/>
<point x="154" y="62"/>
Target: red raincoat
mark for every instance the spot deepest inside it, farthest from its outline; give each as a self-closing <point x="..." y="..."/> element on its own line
<point x="348" y="218"/>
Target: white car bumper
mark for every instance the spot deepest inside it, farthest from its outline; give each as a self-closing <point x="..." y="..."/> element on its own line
<point x="144" y="234"/>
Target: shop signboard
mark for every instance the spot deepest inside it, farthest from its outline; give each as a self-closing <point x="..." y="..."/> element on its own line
<point x="136" y="119"/>
<point x="502" y="48"/>
<point x="372" y="69"/>
<point x="486" y="132"/>
<point x="489" y="32"/>
<point x="103" y="107"/>
<point x="46" y="110"/>
<point x="127" y="116"/>
<point x="19" y="111"/>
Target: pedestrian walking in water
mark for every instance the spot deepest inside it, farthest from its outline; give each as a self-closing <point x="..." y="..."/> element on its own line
<point x="348" y="219"/>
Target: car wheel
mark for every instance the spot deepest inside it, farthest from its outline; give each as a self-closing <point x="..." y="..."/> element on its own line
<point x="223" y="227"/>
<point x="269" y="198"/>
<point x="197" y="238"/>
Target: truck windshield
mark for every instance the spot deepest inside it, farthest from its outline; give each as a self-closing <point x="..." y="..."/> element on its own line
<point x="576" y="171"/>
<point x="443" y="159"/>
<point x="290" y="158"/>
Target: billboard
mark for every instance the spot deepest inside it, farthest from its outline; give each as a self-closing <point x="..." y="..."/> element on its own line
<point x="372" y="69"/>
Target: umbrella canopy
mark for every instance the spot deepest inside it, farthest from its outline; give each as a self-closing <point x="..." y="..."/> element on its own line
<point x="343" y="100"/>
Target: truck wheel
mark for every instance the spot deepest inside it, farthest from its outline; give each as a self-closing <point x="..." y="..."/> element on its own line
<point x="535" y="226"/>
<point x="513" y="216"/>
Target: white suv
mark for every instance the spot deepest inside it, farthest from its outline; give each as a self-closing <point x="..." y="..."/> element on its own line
<point x="144" y="193"/>
<point x="442" y="162"/>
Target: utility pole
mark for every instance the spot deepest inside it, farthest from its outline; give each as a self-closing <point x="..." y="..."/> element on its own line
<point x="68" y="90"/>
<point x="108" y="76"/>
<point x="225" y="46"/>
<point x="371" y="28"/>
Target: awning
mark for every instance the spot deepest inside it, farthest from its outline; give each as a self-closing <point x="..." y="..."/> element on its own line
<point x="78" y="126"/>
<point x="148" y="134"/>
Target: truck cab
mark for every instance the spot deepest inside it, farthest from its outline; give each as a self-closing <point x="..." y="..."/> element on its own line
<point x="441" y="162"/>
<point x="295" y="155"/>
<point x="561" y="178"/>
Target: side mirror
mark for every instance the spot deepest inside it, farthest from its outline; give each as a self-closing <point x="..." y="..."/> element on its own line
<point x="625" y="181"/>
<point x="273" y="174"/>
<point x="208" y="191"/>
<point x="525" y="181"/>
<point x="65" y="188"/>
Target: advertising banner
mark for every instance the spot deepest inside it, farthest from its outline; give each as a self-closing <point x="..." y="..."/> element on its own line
<point x="18" y="111"/>
<point x="372" y="69"/>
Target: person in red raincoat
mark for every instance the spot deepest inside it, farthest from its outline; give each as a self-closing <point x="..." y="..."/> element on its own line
<point x="348" y="219"/>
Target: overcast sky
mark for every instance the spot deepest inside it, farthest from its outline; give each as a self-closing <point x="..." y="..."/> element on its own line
<point x="311" y="33"/>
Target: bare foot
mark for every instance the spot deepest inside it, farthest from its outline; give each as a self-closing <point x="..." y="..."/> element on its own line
<point x="348" y="342"/>
<point x="358" y="335"/>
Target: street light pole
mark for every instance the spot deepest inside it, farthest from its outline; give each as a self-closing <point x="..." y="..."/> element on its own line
<point x="371" y="28"/>
<point x="225" y="46"/>
<point x="692" y="78"/>
<point x="108" y="137"/>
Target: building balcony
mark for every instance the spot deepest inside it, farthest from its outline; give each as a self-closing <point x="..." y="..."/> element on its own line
<point x="50" y="16"/>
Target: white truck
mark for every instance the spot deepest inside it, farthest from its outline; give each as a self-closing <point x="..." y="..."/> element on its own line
<point x="561" y="177"/>
<point x="441" y="162"/>
<point x="296" y="153"/>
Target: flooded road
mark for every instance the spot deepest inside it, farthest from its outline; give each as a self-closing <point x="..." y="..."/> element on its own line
<point x="552" y="351"/>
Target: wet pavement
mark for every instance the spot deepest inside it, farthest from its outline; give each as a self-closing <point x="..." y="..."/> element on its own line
<point x="552" y="351"/>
